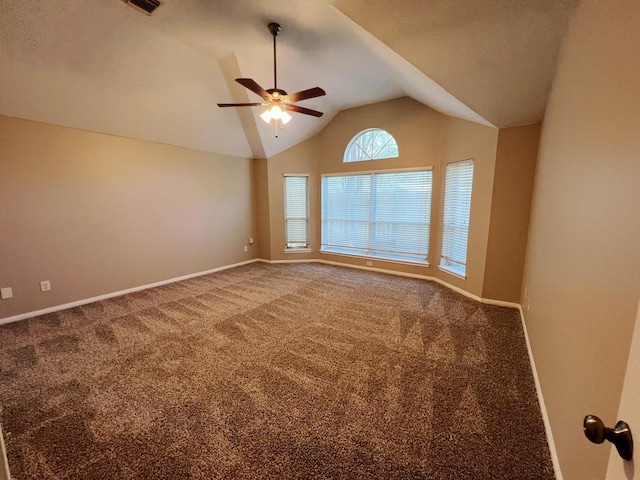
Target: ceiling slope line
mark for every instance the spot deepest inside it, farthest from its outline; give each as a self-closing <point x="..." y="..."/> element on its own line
<point x="230" y="68"/>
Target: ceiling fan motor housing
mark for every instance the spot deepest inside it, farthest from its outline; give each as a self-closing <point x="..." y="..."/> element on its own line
<point x="275" y="29"/>
<point x="277" y="94"/>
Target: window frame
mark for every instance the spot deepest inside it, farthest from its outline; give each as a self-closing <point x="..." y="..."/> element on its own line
<point x="354" y="143"/>
<point x="448" y="262"/>
<point x="429" y="223"/>
<point x="307" y="247"/>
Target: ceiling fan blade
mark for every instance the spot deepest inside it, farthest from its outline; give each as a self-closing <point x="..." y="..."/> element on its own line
<point x="305" y="94"/>
<point x="239" y="104"/>
<point x="254" y="87"/>
<point x="306" y="111"/>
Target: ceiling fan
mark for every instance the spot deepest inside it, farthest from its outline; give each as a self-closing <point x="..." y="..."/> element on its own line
<point x="275" y="98"/>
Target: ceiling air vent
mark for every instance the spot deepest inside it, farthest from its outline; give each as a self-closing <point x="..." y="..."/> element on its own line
<point x="145" y="6"/>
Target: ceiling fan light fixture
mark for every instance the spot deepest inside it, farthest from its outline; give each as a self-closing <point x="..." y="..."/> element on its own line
<point x="275" y="113"/>
<point x="266" y="116"/>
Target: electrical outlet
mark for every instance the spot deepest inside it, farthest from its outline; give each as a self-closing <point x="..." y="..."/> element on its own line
<point x="6" y="293"/>
<point x="45" y="286"/>
<point x="369" y="264"/>
<point x="246" y="249"/>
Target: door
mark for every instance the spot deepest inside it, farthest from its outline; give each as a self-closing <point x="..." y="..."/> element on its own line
<point x="629" y="411"/>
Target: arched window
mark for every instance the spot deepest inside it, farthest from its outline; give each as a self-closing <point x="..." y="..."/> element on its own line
<point x="371" y="144"/>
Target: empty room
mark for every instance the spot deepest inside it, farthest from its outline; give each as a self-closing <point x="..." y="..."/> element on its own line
<point x="327" y="239"/>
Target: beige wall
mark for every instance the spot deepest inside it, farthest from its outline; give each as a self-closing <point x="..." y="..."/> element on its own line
<point x="95" y="213"/>
<point x="261" y="205"/>
<point x="300" y="159"/>
<point x="463" y="140"/>
<point x="425" y="138"/>
<point x="582" y="270"/>
<point x="138" y="212"/>
<point x="417" y="130"/>
<point x="510" y="209"/>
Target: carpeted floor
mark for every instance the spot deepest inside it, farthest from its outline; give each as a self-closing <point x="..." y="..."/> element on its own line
<point x="273" y="371"/>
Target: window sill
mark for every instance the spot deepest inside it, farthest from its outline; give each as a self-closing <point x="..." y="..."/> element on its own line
<point x="377" y="259"/>
<point x="451" y="272"/>
<point x="297" y="250"/>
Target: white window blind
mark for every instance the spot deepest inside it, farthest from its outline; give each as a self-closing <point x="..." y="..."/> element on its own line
<point x="380" y="215"/>
<point x="296" y="211"/>
<point x="457" y="209"/>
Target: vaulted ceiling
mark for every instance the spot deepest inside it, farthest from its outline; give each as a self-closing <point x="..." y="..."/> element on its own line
<point x="100" y="65"/>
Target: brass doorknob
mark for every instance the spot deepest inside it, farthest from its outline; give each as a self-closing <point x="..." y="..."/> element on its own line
<point x="620" y="435"/>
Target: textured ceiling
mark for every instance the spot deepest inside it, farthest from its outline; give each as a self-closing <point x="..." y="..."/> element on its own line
<point x="99" y="65"/>
<point x="496" y="56"/>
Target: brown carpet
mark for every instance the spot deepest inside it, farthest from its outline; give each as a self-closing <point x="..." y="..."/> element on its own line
<point x="273" y="371"/>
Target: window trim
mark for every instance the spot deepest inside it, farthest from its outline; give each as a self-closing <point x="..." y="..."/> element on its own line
<point x="446" y="268"/>
<point x="307" y="248"/>
<point x="382" y="170"/>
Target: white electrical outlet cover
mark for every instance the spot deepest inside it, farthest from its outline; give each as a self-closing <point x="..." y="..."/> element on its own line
<point x="6" y="293"/>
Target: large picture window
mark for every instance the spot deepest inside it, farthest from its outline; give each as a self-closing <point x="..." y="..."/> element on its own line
<point x="379" y="215"/>
<point x="296" y="212"/>
<point x="455" y="223"/>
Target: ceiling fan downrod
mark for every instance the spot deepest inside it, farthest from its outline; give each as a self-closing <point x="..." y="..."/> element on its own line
<point x="275" y="29"/>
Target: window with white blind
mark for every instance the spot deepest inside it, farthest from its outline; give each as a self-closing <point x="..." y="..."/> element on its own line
<point x="455" y="223"/>
<point x="379" y="215"/>
<point x="296" y="212"/>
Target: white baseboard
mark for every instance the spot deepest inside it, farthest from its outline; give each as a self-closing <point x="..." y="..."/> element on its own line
<point x="400" y="274"/>
<point x="4" y="464"/>
<point x="84" y="301"/>
<point x="500" y="303"/>
<point x="543" y="409"/>
<point x="298" y="260"/>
